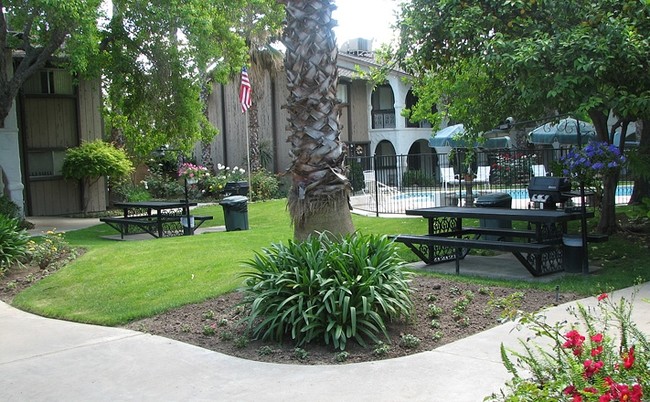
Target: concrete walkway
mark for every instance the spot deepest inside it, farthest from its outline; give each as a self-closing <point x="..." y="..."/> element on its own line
<point x="49" y="360"/>
<point x="43" y="359"/>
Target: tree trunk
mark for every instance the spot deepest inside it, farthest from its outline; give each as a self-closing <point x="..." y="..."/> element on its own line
<point x="607" y="223"/>
<point x="319" y="197"/>
<point x="254" y="137"/>
<point x="641" y="166"/>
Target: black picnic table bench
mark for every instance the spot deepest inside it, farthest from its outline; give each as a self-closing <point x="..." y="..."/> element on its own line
<point x="538" y="248"/>
<point x="157" y="218"/>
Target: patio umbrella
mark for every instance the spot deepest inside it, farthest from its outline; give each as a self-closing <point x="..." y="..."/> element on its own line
<point x="562" y="132"/>
<point x="446" y="138"/>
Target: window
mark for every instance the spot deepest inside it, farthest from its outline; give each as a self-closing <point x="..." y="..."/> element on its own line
<point x="342" y="93"/>
<point x="45" y="163"/>
<point x="411" y="101"/>
<point x="49" y="81"/>
<point x="383" y="107"/>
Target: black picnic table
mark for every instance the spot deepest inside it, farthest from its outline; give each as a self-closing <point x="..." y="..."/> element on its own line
<point x="538" y="248"/>
<point x="158" y="218"/>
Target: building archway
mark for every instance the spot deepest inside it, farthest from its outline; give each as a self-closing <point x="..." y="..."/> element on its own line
<point x="386" y="163"/>
<point x="421" y="164"/>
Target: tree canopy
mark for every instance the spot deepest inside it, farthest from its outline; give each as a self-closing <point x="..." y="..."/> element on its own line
<point x="155" y="58"/>
<point x="159" y="57"/>
<point x="530" y="58"/>
<point x="38" y="30"/>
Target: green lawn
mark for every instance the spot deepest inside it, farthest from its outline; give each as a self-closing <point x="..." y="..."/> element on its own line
<point x="115" y="282"/>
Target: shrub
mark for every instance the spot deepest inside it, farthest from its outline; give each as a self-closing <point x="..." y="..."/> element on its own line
<point x="50" y="250"/>
<point x="162" y="184"/>
<point x="609" y="361"/>
<point x="409" y="341"/>
<point x="417" y="178"/>
<point x="13" y="242"/>
<point x="8" y="208"/>
<point x="264" y="186"/>
<point x="355" y="176"/>
<point x="326" y="289"/>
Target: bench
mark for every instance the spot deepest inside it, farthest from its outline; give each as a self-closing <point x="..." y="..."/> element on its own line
<point x="463" y="245"/>
<point x="151" y="224"/>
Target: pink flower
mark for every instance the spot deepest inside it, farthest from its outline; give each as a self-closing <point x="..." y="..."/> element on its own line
<point x="602" y="296"/>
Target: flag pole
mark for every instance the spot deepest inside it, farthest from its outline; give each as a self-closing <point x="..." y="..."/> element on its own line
<point x="248" y="150"/>
<point x="246" y="100"/>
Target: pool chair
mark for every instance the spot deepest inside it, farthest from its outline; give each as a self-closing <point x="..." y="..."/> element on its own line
<point x="447" y="176"/>
<point x="538" y="170"/>
<point x="371" y="184"/>
<point x="483" y="175"/>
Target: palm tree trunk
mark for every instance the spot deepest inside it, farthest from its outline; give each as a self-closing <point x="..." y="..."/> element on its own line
<point x="320" y="192"/>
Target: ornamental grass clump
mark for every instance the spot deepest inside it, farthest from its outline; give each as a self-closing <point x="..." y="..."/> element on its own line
<point x="13" y="242"/>
<point x="327" y="289"/>
<point x="604" y="359"/>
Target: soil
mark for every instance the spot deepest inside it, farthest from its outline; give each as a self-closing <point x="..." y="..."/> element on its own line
<point x="215" y="323"/>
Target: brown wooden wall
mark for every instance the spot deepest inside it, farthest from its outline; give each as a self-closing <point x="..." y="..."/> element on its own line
<point x="59" y="122"/>
<point x="91" y="127"/>
<point x="224" y="111"/>
<point x="54" y="197"/>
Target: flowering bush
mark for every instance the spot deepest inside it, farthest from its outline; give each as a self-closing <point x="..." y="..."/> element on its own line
<point x="511" y="168"/>
<point x="191" y="171"/>
<point x="215" y="184"/>
<point x="231" y="175"/>
<point x="52" y="251"/>
<point x="606" y="361"/>
<point x="593" y="160"/>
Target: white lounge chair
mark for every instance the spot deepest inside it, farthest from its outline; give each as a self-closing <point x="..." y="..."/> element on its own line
<point x="483" y="175"/>
<point x="538" y="170"/>
<point x="447" y="176"/>
<point x="371" y="183"/>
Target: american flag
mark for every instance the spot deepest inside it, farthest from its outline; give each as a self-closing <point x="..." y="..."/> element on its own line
<point x="245" y="91"/>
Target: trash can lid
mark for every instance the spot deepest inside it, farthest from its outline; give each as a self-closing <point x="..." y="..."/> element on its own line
<point x="494" y="197"/>
<point x="233" y="199"/>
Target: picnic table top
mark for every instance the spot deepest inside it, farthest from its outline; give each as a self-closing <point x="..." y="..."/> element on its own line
<point x="154" y="204"/>
<point x="530" y="215"/>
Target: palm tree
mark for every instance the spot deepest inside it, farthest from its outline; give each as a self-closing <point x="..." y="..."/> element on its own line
<point x="320" y="192"/>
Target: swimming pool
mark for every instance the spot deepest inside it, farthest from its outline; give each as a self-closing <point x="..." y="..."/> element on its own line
<point x="411" y="198"/>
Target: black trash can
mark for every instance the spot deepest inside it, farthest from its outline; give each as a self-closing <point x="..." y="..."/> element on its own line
<point x="572" y="254"/>
<point x="494" y="200"/>
<point x="235" y="212"/>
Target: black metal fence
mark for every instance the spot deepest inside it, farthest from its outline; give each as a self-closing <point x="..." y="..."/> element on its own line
<point x="395" y="183"/>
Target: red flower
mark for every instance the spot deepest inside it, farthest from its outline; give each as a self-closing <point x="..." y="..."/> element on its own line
<point x="598" y="338"/>
<point x="573" y="339"/>
<point x="570" y="390"/>
<point x="603" y="296"/>
<point x="628" y="359"/>
<point x="592" y="368"/>
<point x="596" y="351"/>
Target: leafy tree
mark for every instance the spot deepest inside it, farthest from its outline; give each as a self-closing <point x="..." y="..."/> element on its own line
<point x="319" y="195"/>
<point x="531" y="59"/>
<point x="39" y="29"/>
<point x="92" y="160"/>
<point x="261" y="26"/>
<point x="160" y="56"/>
